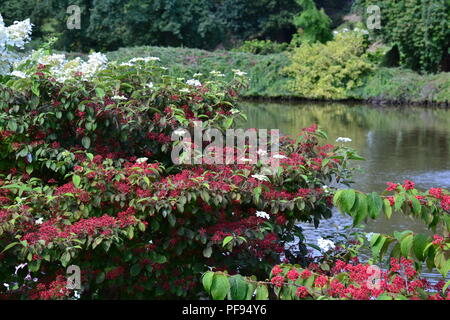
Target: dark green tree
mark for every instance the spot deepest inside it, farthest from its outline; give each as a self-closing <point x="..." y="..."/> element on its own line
<point x="419" y="28"/>
<point x="314" y="24"/>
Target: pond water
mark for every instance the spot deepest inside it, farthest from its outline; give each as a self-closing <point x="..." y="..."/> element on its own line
<point x="398" y="143"/>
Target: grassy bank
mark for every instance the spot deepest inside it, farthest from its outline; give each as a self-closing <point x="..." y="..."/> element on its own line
<point x="385" y="85"/>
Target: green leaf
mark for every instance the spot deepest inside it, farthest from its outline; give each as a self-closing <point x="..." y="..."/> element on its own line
<point x="415" y="205"/>
<point x="406" y="245"/>
<point x="135" y="269"/>
<point x="220" y="287"/>
<point x="86" y="142"/>
<point x="159" y="258"/>
<point x="374" y="204"/>
<point x="262" y="293"/>
<point x="420" y="242"/>
<point x="76" y="181"/>
<point x="444" y="288"/>
<point x="228" y="122"/>
<point x="100" y="277"/>
<point x="9" y="246"/>
<point x="442" y="264"/>
<point x="227" y="240"/>
<point x="207" y="252"/>
<point x="238" y="287"/>
<point x="345" y="199"/>
<point x="65" y="258"/>
<point x="387" y="208"/>
<point x="399" y="200"/>
<point x="207" y="281"/>
<point x="359" y="211"/>
<point x="100" y="92"/>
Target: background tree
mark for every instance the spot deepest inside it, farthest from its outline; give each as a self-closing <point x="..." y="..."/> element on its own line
<point x="419" y="28"/>
<point x="314" y="25"/>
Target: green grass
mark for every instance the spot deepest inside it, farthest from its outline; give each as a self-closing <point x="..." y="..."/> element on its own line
<point x="405" y="86"/>
<point x="267" y="81"/>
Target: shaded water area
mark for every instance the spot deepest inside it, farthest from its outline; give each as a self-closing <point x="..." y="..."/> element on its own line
<point x="398" y="143"/>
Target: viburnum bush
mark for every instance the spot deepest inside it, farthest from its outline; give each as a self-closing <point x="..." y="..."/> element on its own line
<point x="339" y="274"/>
<point x="86" y="179"/>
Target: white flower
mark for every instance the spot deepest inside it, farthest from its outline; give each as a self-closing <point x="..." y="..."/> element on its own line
<point x="279" y="156"/>
<point x="369" y="236"/>
<point x="19" y="74"/>
<point x="262" y="214"/>
<point x="325" y="245"/>
<point x="146" y="59"/>
<point x="150" y="85"/>
<point x="39" y="221"/>
<point x="180" y="132"/>
<point x="325" y="189"/>
<point x="262" y="152"/>
<point x="185" y="90"/>
<point x="344" y="140"/>
<point x="126" y="64"/>
<point x="217" y="73"/>
<point x="119" y="98"/>
<point x="260" y="177"/>
<point x="141" y="160"/>
<point x="239" y="72"/>
<point x="193" y="82"/>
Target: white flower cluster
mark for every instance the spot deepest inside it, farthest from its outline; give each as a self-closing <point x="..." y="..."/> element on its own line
<point x="325" y="245"/>
<point x="261" y="177"/>
<point x="343" y="140"/>
<point x="194" y="83"/>
<point x="239" y="73"/>
<point x="12" y="38"/>
<point x="262" y="214"/>
<point x="217" y="73"/>
<point x="62" y="69"/>
<point x="133" y="61"/>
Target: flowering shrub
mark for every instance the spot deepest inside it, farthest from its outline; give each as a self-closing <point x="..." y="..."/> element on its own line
<point x="343" y="281"/>
<point x="86" y="179"/>
<point x="339" y="274"/>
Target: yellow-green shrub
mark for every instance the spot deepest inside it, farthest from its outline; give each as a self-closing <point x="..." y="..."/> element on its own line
<point x="329" y="71"/>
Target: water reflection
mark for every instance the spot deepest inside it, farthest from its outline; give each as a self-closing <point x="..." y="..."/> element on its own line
<point x="398" y="143"/>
